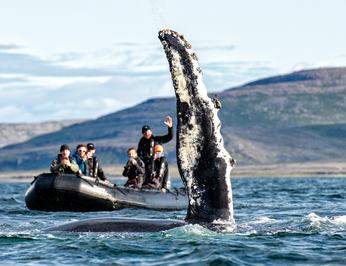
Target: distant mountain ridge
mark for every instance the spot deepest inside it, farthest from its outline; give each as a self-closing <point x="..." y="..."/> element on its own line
<point x="11" y="133"/>
<point x="299" y="117"/>
<point x="304" y="75"/>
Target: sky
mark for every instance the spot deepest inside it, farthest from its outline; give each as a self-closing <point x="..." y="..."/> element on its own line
<point x="82" y="59"/>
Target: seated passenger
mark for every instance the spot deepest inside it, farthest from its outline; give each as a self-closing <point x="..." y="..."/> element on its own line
<point x="64" y="164"/>
<point x="95" y="169"/>
<point x="134" y="169"/>
<point x="159" y="171"/>
<point x="81" y="159"/>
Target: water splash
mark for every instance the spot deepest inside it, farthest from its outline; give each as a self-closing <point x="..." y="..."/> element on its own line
<point x="190" y="230"/>
<point x="263" y="220"/>
<point x="157" y="14"/>
<point x="327" y="224"/>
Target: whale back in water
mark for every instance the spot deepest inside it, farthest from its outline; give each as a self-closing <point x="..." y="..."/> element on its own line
<point x="203" y="162"/>
<point x="118" y="225"/>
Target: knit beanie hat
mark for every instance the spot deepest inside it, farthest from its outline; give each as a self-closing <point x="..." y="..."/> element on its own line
<point x="64" y="147"/>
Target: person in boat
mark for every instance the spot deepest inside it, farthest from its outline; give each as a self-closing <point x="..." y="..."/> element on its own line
<point x="148" y="141"/>
<point x="81" y="159"/>
<point x="64" y="164"/>
<point x="95" y="169"/>
<point x="134" y="169"/>
<point x="159" y="173"/>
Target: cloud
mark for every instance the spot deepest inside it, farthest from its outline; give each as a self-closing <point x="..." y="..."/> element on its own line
<point x="11" y="80"/>
<point x="12" y="113"/>
<point x="8" y="47"/>
<point x="77" y="85"/>
<point x="32" y="66"/>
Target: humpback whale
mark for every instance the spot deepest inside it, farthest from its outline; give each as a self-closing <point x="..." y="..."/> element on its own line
<point x="203" y="162"/>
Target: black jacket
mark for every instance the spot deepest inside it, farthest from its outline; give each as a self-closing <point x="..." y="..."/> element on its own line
<point x="132" y="171"/>
<point x="145" y="148"/>
<point x="160" y="171"/>
<point x="95" y="169"/>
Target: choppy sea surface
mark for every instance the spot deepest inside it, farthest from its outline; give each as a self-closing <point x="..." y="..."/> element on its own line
<point x="280" y="221"/>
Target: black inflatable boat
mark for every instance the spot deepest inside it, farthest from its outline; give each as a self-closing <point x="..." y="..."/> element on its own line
<point x="52" y="192"/>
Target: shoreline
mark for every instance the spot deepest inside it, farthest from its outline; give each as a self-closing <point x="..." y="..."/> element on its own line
<point x="293" y="170"/>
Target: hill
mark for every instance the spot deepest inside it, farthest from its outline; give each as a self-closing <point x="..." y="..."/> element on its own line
<point x="294" y="118"/>
<point x="11" y="133"/>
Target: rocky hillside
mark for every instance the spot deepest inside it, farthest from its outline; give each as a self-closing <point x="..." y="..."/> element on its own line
<point x="290" y="118"/>
<point x="300" y="117"/>
<point x="11" y="133"/>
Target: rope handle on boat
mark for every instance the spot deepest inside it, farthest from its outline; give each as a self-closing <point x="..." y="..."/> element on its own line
<point x="176" y="192"/>
<point x="78" y="175"/>
<point x="122" y="191"/>
<point x="35" y="177"/>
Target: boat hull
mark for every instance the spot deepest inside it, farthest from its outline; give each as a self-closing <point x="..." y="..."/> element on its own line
<point x="68" y="192"/>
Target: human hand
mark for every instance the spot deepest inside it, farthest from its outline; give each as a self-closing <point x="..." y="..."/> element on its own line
<point x="169" y="121"/>
<point x="65" y="162"/>
<point x="132" y="161"/>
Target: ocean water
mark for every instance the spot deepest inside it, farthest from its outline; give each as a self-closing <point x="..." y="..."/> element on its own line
<point x="280" y="221"/>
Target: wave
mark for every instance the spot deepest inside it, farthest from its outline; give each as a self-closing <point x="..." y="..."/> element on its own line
<point x="189" y="230"/>
<point x="333" y="223"/>
<point x="263" y="220"/>
<point x="15" y="238"/>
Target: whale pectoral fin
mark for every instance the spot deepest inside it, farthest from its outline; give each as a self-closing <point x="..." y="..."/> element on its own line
<point x="202" y="159"/>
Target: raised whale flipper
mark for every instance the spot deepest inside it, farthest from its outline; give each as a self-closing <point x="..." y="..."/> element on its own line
<point x="203" y="162"/>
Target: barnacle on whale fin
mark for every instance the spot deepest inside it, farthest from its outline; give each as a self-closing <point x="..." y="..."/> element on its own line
<point x="194" y="56"/>
<point x="216" y="102"/>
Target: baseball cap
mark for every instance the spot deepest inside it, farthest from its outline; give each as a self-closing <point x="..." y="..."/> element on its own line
<point x="90" y="146"/>
<point x="145" y="128"/>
